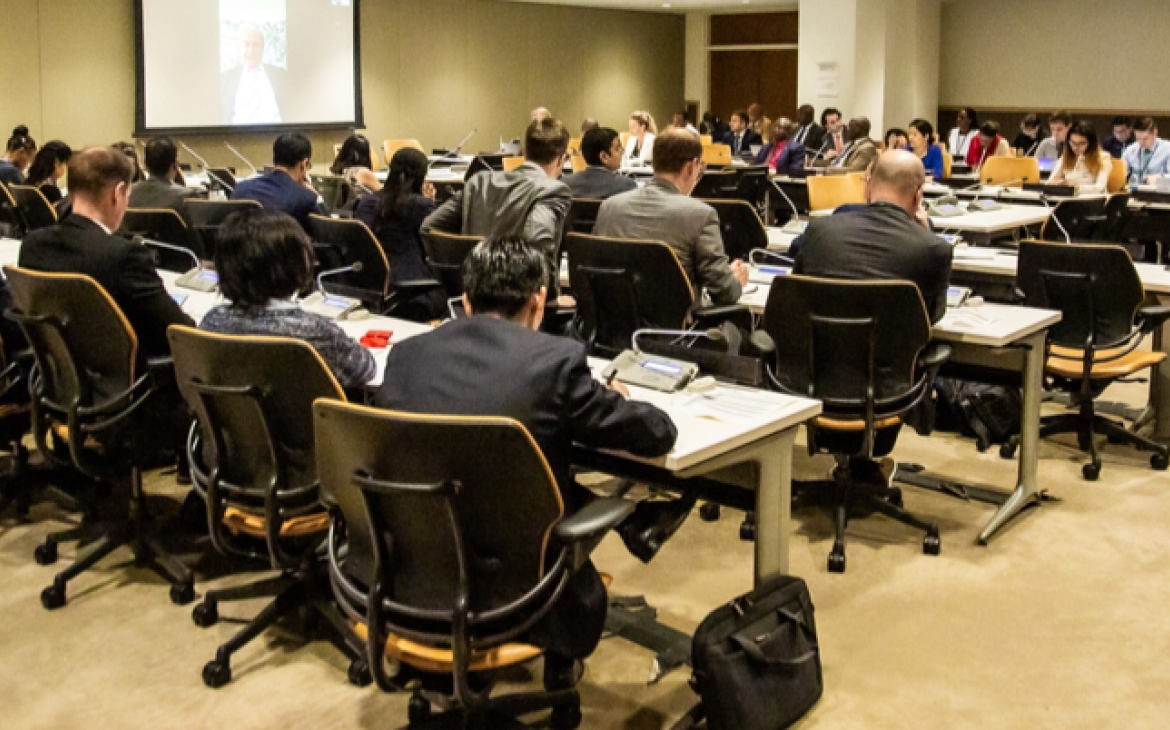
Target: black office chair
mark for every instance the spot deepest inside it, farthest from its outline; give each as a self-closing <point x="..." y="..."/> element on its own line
<point x="166" y="226"/>
<point x="863" y="349"/>
<point x="12" y="223"/>
<point x="752" y="187"/>
<point x="33" y="206"/>
<point x="252" y="459"/>
<point x="485" y="162"/>
<point x="716" y="184"/>
<point x="221" y="178"/>
<point x="334" y="190"/>
<point x="740" y="226"/>
<point x="1100" y="297"/>
<point x="445" y="254"/>
<point x="86" y="391"/>
<point x="624" y="285"/>
<point x="582" y="215"/>
<point x="345" y="242"/>
<point x="451" y="544"/>
<point x="1080" y="219"/>
<point x="206" y="216"/>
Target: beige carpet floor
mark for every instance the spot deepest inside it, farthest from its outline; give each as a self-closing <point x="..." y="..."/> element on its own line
<point x="1059" y="623"/>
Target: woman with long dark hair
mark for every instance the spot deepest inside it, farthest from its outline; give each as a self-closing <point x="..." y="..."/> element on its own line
<point x="395" y="215"/>
<point x="355" y="163"/>
<point x="1083" y="163"/>
<point x="48" y="168"/>
<point x="924" y="144"/>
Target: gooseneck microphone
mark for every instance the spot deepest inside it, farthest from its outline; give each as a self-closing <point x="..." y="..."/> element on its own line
<point x="355" y="267"/>
<point x="144" y="241"/>
<point x="207" y="168"/>
<point x="712" y="334"/>
<point x="757" y="253"/>
<point x="245" y="159"/>
<point x="1055" y="218"/>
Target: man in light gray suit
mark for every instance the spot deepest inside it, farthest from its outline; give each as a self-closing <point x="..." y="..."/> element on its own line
<point x="159" y="190"/>
<point x="529" y="201"/>
<point x="602" y="149"/>
<point x="663" y="211"/>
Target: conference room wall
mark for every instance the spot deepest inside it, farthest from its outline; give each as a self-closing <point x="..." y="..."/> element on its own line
<point x="1050" y="54"/>
<point x="432" y="70"/>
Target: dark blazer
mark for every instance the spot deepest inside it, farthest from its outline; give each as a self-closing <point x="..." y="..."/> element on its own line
<point x="229" y="84"/>
<point x="812" y="139"/>
<point x="400" y="239"/>
<point x="749" y="138"/>
<point x="598" y="183"/>
<point x="10" y="174"/>
<point x="158" y="193"/>
<point x="487" y="366"/>
<point x="79" y="246"/>
<point x="525" y="201"/>
<point x="792" y="157"/>
<point x="277" y="190"/>
<point x="879" y="241"/>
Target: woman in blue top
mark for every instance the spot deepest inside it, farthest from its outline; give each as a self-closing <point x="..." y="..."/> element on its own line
<point x="922" y="143"/>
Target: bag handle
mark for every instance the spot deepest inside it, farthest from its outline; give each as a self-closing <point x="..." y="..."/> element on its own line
<point x="752" y="649"/>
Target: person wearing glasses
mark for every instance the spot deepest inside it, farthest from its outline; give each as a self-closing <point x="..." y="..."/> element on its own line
<point x="1083" y="162"/>
<point x="664" y="211"/>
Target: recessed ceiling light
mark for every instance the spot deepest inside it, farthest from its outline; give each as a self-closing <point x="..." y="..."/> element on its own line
<point x="666" y="5"/>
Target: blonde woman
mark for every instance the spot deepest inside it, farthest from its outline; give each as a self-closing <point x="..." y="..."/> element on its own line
<point x="1083" y="162"/>
<point x="640" y="144"/>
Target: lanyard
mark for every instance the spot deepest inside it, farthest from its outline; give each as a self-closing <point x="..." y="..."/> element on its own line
<point x="1146" y="161"/>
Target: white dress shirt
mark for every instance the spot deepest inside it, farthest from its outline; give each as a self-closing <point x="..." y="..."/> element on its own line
<point x="255" y="99"/>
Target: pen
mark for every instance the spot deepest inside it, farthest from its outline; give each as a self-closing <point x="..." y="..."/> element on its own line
<point x="609" y="380"/>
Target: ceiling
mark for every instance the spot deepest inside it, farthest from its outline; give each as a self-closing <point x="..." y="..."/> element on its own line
<point x="676" y="6"/>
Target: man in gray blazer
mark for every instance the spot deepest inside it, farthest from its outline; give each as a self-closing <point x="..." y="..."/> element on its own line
<point x="602" y="149"/>
<point x="159" y="190"/>
<point x="663" y="211"/>
<point x="530" y="201"/>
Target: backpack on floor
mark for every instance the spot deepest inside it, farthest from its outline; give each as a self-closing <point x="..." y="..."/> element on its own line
<point x="990" y="414"/>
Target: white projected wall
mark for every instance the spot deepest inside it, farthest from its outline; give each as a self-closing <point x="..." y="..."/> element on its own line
<point x="248" y="63"/>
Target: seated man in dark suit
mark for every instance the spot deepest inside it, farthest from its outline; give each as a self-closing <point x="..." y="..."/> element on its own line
<point x="810" y="134"/>
<point x="530" y="201"/>
<point x="602" y="149"/>
<point x="783" y="154"/>
<point x="99" y="183"/>
<point x="741" y="137"/>
<point x="496" y="363"/>
<point x="286" y="188"/>
<point x="159" y="191"/>
<point x="664" y="211"/>
<point x="889" y="238"/>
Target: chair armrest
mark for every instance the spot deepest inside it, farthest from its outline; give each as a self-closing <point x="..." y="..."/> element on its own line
<point x="161" y="372"/>
<point x="935" y="354"/>
<point x="583" y="531"/>
<point x="738" y="314"/>
<point x="1152" y="317"/>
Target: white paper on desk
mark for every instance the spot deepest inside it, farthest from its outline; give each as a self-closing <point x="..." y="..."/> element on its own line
<point x="729" y="405"/>
<point x="968" y="318"/>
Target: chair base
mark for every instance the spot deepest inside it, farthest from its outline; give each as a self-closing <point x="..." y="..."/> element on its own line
<point x="1086" y="425"/>
<point x="136" y="531"/>
<point x="501" y="713"/>
<point x="292" y="590"/>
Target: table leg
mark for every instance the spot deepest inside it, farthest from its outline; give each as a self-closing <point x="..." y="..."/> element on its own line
<point x="1160" y="382"/>
<point x="774" y="507"/>
<point x="1027" y="491"/>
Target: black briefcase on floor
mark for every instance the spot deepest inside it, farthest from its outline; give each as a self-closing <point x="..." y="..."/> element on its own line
<point x="757" y="664"/>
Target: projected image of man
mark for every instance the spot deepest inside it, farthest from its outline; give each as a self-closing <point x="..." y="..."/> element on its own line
<point x="252" y="90"/>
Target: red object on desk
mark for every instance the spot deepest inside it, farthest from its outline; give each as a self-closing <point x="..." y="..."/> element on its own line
<point x="377" y="338"/>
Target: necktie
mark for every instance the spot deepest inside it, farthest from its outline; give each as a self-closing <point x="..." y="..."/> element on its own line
<point x="738" y="143"/>
<point x="837" y="141"/>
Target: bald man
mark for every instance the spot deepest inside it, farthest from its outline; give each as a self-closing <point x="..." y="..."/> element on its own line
<point x="889" y="238"/>
<point x="251" y="92"/>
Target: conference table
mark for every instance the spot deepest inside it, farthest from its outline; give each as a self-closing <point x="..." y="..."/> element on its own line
<point x="1003" y="338"/>
<point x="719" y="431"/>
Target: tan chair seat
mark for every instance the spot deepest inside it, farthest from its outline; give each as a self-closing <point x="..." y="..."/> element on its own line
<point x="833" y="424"/>
<point x="1067" y="363"/>
<point x="238" y="522"/>
<point x="438" y="660"/>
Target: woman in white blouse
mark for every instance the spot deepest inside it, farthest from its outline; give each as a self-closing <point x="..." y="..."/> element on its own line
<point x="640" y="144"/>
<point x="1083" y="164"/>
<point x="960" y="138"/>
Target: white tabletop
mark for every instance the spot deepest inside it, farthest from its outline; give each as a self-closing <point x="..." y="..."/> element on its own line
<point x="1003" y="262"/>
<point x="707" y="427"/>
<point x="1004" y="219"/>
<point x="778" y="240"/>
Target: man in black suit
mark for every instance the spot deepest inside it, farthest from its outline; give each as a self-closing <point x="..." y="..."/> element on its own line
<point x="783" y="154"/>
<point x="530" y="201"/>
<point x="889" y="238"/>
<point x="808" y="133"/>
<point x="286" y="188"/>
<point x="602" y="149"/>
<point x="741" y="137"/>
<point x="251" y="92"/>
<point x="99" y="184"/>
<point x="496" y="363"/>
<point x="160" y="190"/>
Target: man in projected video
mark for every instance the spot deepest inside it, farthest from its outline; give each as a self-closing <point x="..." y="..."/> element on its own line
<point x="251" y="91"/>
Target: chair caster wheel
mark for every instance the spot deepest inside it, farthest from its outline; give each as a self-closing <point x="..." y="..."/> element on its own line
<point x="53" y="597"/>
<point x="895" y="497"/>
<point x="931" y="545"/>
<point x="1090" y="472"/>
<point x="205" y="614"/>
<point x="566" y="717"/>
<point x="45" y="554"/>
<point x="709" y="512"/>
<point x="1160" y="461"/>
<point x="982" y="445"/>
<point x="747" y="531"/>
<point x="359" y="673"/>
<point x="836" y="562"/>
<point x="216" y="674"/>
<point x="418" y="709"/>
<point x="1007" y="451"/>
<point x="182" y="593"/>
